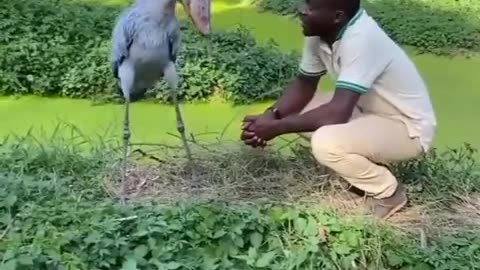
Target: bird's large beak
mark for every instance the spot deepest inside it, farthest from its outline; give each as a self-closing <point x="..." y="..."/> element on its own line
<point x="200" y="13"/>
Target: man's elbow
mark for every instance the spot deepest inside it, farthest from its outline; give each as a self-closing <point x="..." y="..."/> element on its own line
<point x="339" y="115"/>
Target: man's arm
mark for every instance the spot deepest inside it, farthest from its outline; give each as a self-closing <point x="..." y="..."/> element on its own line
<point x="297" y="94"/>
<point x="337" y="111"/>
<point x="362" y="63"/>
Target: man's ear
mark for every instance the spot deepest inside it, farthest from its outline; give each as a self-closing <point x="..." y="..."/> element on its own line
<point x="339" y="16"/>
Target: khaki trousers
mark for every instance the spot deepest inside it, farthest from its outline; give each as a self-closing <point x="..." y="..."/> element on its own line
<point x="353" y="149"/>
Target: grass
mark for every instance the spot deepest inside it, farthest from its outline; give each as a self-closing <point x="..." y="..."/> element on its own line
<point x="59" y="209"/>
<point x="453" y="94"/>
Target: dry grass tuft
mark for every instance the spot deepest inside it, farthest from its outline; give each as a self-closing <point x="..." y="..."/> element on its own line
<point x="467" y="212"/>
<point x="237" y="174"/>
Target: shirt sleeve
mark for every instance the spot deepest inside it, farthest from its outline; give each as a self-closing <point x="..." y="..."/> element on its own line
<point x="362" y="61"/>
<point x="311" y="64"/>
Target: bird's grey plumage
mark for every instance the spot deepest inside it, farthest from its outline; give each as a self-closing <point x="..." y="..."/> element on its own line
<point x="146" y="41"/>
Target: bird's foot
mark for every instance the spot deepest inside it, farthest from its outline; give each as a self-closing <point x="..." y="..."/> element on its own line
<point x="191" y="165"/>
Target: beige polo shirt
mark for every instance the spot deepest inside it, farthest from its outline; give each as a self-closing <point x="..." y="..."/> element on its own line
<point x="365" y="60"/>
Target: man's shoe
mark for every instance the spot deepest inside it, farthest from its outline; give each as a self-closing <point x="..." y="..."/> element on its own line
<point x="385" y="208"/>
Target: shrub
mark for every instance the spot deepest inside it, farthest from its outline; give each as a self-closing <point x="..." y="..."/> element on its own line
<point x="55" y="48"/>
<point x="443" y="27"/>
<point x="429" y="177"/>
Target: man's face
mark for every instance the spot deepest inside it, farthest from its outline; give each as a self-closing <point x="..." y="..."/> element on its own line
<point x="317" y="17"/>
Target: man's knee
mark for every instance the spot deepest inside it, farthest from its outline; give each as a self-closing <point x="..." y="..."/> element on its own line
<point x="327" y="146"/>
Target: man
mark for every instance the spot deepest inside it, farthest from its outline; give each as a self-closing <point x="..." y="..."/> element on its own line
<point x="379" y="112"/>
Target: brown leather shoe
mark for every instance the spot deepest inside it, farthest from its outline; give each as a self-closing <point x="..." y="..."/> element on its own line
<point x="385" y="208"/>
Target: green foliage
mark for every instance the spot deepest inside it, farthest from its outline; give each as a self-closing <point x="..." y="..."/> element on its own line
<point x="440" y="176"/>
<point x="59" y="48"/>
<point x="54" y="215"/>
<point x="444" y="27"/>
<point x="454" y="251"/>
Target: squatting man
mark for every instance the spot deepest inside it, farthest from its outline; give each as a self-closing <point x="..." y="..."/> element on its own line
<point x="379" y="112"/>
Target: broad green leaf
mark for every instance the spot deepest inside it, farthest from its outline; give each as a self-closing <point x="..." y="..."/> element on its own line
<point x="10" y="200"/>
<point x="341" y="248"/>
<point x="352" y="238"/>
<point x="209" y="263"/>
<point x="25" y="260"/>
<point x="393" y="259"/>
<point x="256" y="239"/>
<point x="9" y="265"/>
<point x="252" y="253"/>
<point x="300" y="224"/>
<point x="140" y="251"/>
<point x="9" y="254"/>
<point x="238" y="240"/>
<point x="265" y="259"/>
<point x="219" y="234"/>
<point x="312" y="227"/>
<point x="130" y="264"/>
<point x="93" y="237"/>
<point x="172" y="265"/>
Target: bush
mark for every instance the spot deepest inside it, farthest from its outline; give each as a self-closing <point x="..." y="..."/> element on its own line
<point x="54" y="48"/>
<point x="443" y="27"/>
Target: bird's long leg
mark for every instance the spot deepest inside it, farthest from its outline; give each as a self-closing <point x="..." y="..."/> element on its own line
<point x="181" y="126"/>
<point x="172" y="79"/>
<point x="126" y="142"/>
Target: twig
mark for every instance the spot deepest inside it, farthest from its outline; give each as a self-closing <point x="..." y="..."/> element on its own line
<point x="193" y="142"/>
<point x="126" y="218"/>
<point x="155" y="144"/>
<point x="145" y="182"/>
<point x="9" y="226"/>
<point x="423" y="238"/>
<point x="222" y="133"/>
<point x="138" y="150"/>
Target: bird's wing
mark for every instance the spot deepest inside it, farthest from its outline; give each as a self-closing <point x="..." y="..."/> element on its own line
<point x="173" y="35"/>
<point x="123" y="36"/>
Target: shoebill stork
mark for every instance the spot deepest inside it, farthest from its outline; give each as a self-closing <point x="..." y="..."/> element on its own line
<point x="145" y="43"/>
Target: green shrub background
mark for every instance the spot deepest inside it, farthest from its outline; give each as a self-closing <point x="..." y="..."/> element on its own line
<point x="54" y="48"/>
<point x="442" y="27"/>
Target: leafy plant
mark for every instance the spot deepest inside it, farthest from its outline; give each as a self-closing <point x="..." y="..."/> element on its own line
<point x="430" y="177"/>
<point x="54" y="215"/>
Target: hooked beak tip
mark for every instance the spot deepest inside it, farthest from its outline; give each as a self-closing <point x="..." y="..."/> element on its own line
<point x="205" y="31"/>
<point x="203" y="27"/>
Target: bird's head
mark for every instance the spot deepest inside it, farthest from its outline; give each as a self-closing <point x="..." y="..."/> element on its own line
<point x="199" y="12"/>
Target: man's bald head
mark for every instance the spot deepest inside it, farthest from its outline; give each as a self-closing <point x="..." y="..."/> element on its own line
<point x="323" y="17"/>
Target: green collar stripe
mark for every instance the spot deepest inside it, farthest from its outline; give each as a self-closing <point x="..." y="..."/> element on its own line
<point x="351" y="22"/>
<point x="351" y="86"/>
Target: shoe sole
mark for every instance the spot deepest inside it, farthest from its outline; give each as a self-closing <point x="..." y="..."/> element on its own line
<point x="395" y="209"/>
